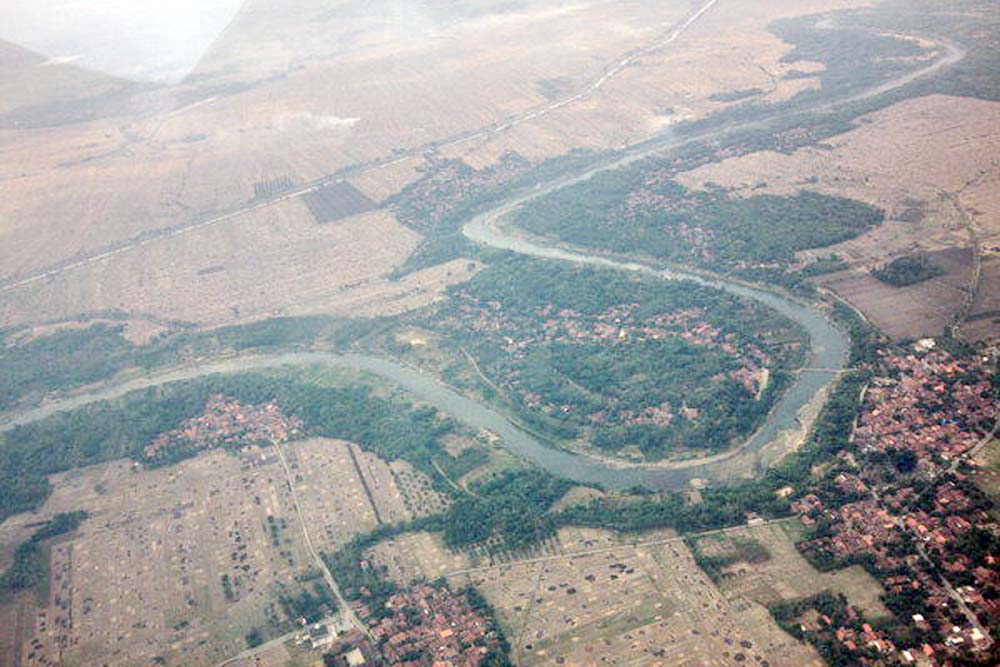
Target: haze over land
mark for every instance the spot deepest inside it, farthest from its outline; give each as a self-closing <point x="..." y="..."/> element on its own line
<point x="499" y="332"/>
<point x="159" y="42"/>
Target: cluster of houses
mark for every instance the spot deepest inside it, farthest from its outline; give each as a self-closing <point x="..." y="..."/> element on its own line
<point x="903" y="504"/>
<point x="429" y="626"/>
<point x="520" y="335"/>
<point x="927" y="403"/>
<point x="226" y="422"/>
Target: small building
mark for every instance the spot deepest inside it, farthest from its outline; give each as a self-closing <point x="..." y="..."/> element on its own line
<point x="355" y="658"/>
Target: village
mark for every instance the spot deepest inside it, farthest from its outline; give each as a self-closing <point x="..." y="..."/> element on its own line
<point x="224" y="423"/>
<point x="426" y="625"/>
<point x="522" y="334"/>
<point x="902" y="500"/>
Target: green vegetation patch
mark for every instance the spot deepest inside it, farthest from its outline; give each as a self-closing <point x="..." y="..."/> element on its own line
<point x="512" y="506"/>
<point x="30" y="566"/>
<point x="736" y="95"/>
<point x="639" y="210"/>
<point x="855" y="57"/>
<point x="908" y="270"/>
<point x="975" y="24"/>
<point x="65" y="358"/>
<point x="620" y="360"/>
<point x="729" y="551"/>
<point x="74" y="357"/>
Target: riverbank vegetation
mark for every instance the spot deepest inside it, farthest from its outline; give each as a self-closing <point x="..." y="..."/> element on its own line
<point x="633" y="211"/>
<point x="87" y="351"/>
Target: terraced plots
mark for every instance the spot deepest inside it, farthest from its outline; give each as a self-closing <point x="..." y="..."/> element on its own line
<point x="181" y="564"/>
<point x="271" y="187"/>
<point x="648" y="605"/>
<point x="336" y="201"/>
<point x="782" y="573"/>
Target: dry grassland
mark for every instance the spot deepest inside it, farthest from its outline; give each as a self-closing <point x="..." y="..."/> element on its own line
<point x="728" y="49"/>
<point x="417" y="556"/>
<point x="297" y="267"/>
<point x="337" y="93"/>
<point x="143" y="575"/>
<point x="626" y="605"/>
<point x="931" y="164"/>
<point x="293" y="92"/>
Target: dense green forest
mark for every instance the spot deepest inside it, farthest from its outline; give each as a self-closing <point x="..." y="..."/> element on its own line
<point x="512" y="506"/>
<point x="907" y="270"/>
<point x="118" y="429"/>
<point x="620" y="359"/>
<point x="627" y="211"/>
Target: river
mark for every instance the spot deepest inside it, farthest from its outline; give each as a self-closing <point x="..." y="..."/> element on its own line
<point x="828" y="348"/>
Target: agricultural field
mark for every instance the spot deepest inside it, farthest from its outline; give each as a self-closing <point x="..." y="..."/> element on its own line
<point x="417" y="556"/>
<point x="299" y="268"/>
<point x="728" y="56"/>
<point x="929" y="163"/>
<point x="630" y="605"/>
<point x="772" y="570"/>
<point x="184" y="562"/>
<point x="336" y="201"/>
<point x="290" y="94"/>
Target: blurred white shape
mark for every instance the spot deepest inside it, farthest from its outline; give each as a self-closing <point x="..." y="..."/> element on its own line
<point x="145" y="40"/>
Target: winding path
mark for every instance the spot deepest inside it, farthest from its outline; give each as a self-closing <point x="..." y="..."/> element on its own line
<point x="770" y="442"/>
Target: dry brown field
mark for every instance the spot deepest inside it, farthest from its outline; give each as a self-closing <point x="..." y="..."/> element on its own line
<point x="417" y="556"/>
<point x="297" y="268"/>
<point x="987" y="477"/>
<point x="293" y="92"/>
<point x="983" y="321"/>
<point x="621" y="604"/>
<point x="728" y="49"/>
<point x="142" y="577"/>
<point x="931" y="164"/>
<point x="923" y="309"/>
